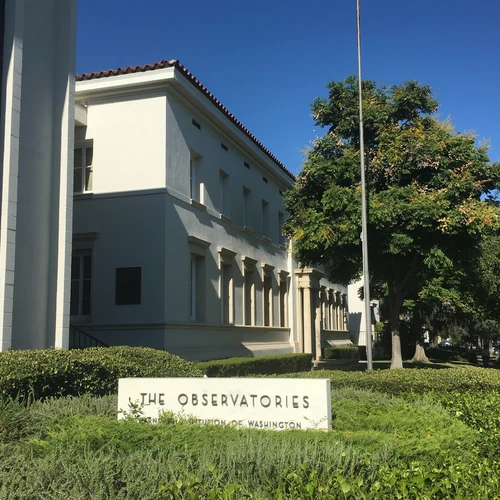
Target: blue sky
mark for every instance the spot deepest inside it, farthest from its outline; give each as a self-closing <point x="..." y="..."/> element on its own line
<point x="267" y="60"/>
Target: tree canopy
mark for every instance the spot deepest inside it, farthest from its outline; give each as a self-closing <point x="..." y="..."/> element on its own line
<point x="426" y="186"/>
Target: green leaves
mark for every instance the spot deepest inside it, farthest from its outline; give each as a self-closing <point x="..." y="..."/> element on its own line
<point x="45" y="373"/>
<point x="427" y="189"/>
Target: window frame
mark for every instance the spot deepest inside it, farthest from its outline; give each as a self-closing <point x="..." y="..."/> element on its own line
<point x="81" y="254"/>
<point x="83" y="169"/>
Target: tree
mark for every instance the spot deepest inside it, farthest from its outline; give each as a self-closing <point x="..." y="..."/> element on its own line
<point x="425" y="184"/>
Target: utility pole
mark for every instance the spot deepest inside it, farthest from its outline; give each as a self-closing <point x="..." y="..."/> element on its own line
<point x="364" y="232"/>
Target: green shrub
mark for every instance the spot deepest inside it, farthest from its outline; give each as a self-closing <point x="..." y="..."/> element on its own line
<point x="348" y="352"/>
<point x="46" y="373"/>
<point x="418" y="429"/>
<point x="265" y="365"/>
<point x="19" y="419"/>
<point x="452" y="354"/>
<point x="478" y="410"/>
<point x="412" y="381"/>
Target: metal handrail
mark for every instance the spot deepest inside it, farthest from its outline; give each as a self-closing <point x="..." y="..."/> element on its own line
<point x="78" y="339"/>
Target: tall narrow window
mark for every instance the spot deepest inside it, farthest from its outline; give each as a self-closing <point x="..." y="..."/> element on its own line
<point x="195" y="184"/>
<point x="81" y="283"/>
<point x="223" y="188"/>
<point x="226" y="294"/>
<point x="248" y="268"/>
<point x="197" y="295"/>
<point x="324" y="308"/>
<point x="193" y="278"/>
<point x="192" y="178"/>
<point x="268" y="299"/>
<point x="226" y="285"/>
<point x="265" y="218"/>
<point x="267" y="294"/>
<point x="83" y="170"/>
<point x="337" y="311"/>
<point x="249" y="298"/>
<point x="283" y="300"/>
<point x="247" y="215"/>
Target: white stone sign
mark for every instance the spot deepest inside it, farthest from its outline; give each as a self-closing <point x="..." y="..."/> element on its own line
<point x="262" y="403"/>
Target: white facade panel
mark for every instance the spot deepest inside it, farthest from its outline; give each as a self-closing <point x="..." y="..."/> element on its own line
<point x="128" y="136"/>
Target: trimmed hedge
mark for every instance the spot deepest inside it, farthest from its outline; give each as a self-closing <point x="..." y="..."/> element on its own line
<point x="348" y="352"/>
<point x="45" y="373"/>
<point x="265" y="365"/>
<point x="413" y="381"/>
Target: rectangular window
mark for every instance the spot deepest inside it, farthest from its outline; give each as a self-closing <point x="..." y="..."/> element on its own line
<point x="81" y="283"/>
<point x="249" y="298"/>
<point x="268" y="300"/>
<point x="265" y="218"/>
<point x="227" y="294"/>
<point x="83" y="170"/>
<point x="195" y="184"/>
<point x="196" y="124"/>
<point x="197" y="294"/>
<point x="128" y="286"/>
<point x="247" y="215"/>
<point x="283" y="303"/>
<point x="223" y="187"/>
<point x="337" y="311"/>
<point x="223" y="146"/>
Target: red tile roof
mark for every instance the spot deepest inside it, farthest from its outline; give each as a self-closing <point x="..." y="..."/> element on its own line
<point x="192" y="79"/>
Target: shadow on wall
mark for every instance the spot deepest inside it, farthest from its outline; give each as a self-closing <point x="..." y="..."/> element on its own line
<point x="355" y="322"/>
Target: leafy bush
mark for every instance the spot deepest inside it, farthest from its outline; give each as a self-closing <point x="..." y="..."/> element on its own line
<point x="478" y="410"/>
<point x="265" y="365"/>
<point x="415" y="381"/>
<point x="418" y="429"/>
<point x="452" y="354"/>
<point x="19" y="419"/>
<point x="46" y="373"/>
<point x="348" y="352"/>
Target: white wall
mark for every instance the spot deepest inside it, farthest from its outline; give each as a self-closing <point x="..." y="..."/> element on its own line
<point x="129" y="137"/>
<point x="35" y="194"/>
<point x="357" y="321"/>
<point x="183" y="138"/>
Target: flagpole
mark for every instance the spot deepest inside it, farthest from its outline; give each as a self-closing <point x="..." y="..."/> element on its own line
<point x="364" y="231"/>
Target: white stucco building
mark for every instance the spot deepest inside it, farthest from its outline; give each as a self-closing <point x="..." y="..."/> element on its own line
<point x="37" y="61"/>
<point x="177" y="226"/>
<point x="357" y="321"/>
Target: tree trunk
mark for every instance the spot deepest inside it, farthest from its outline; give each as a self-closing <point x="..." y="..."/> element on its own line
<point x="419" y="356"/>
<point x="433" y="338"/>
<point x="396" y="360"/>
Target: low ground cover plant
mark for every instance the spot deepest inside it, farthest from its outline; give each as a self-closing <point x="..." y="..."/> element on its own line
<point x="380" y="446"/>
<point x="422" y="433"/>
